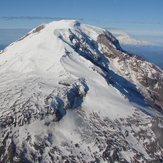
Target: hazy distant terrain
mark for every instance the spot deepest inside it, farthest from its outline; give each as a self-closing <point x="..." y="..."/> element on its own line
<point x="153" y="56"/>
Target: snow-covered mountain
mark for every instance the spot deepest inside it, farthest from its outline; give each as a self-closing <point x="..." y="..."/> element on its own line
<point x="70" y="93"/>
<point x="128" y="40"/>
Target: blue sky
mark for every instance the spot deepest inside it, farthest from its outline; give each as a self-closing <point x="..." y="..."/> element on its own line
<point x="141" y="19"/>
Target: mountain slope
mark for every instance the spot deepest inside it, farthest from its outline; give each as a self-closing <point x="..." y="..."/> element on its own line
<point x="70" y="93"/>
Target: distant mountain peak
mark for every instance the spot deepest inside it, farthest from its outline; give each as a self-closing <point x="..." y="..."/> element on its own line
<point x="128" y="40"/>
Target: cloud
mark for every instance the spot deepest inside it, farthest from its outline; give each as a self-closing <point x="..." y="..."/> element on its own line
<point x="119" y="32"/>
<point x="112" y="28"/>
<point x="36" y="18"/>
<point x="116" y="31"/>
<point x="153" y="23"/>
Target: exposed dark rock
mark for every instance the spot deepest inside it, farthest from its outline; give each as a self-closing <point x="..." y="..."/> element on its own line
<point x="64" y="83"/>
<point x="71" y="37"/>
<point x="158" y="130"/>
<point x="58" y="115"/>
<point x="77" y="45"/>
<point x="106" y="38"/>
<point x="39" y="28"/>
<point x="77" y="145"/>
<point x="148" y="82"/>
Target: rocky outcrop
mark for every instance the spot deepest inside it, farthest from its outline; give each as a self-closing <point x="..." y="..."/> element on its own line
<point x="109" y="40"/>
<point x="134" y="68"/>
<point x="39" y="28"/>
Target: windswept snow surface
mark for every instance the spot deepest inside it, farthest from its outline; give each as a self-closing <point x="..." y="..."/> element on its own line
<point x="45" y="73"/>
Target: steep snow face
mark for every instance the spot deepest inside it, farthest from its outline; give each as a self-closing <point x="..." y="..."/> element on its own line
<point x="60" y="101"/>
<point x="127" y="40"/>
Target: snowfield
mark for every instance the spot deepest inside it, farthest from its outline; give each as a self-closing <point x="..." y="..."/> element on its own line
<point x="62" y="100"/>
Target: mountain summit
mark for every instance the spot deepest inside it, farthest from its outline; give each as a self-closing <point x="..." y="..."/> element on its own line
<point x="70" y="93"/>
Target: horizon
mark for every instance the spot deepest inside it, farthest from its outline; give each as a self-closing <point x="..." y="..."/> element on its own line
<point x="139" y="19"/>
